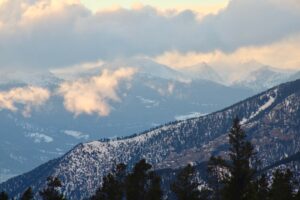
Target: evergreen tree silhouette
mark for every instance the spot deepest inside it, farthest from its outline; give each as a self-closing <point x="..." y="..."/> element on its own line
<point x="262" y="188"/>
<point x="27" y="195"/>
<point x="137" y="180"/>
<point x="184" y="187"/>
<point x="51" y="192"/>
<point x="3" y="196"/>
<point x="113" y="185"/>
<point x="238" y="175"/>
<point x="282" y="186"/>
<point x="154" y="191"/>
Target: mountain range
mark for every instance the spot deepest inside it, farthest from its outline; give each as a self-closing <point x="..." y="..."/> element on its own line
<point x="156" y="94"/>
<point x="271" y="120"/>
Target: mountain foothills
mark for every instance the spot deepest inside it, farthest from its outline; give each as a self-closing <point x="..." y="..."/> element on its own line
<point x="271" y="120"/>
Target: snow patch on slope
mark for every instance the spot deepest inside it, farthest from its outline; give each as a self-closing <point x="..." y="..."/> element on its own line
<point x="261" y="108"/>
<point x="40" y="137"/>
<point x="76" y="134"/>
<point x="189" y="116"/>
<point x="149" y="103"/>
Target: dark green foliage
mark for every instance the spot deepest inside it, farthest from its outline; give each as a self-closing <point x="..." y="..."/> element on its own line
<point x="282" y="186"/>
<point x="216" y="176"/>
<point x="137" y="181"/>
<point x="3" y="196"/>
<point x="238" y="175"/>
<point x="140" y="184"/>
<point x="184" y="186"/>
<point x="51" y="192"/>
<point x="113" y="185"/>
<point x="262" y="188"/>
<point x="27" y="195"/>
<point x="154" y="192"/>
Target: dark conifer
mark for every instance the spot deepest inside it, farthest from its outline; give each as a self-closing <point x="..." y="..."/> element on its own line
<point x="27" y="195"/>
<point x="154" y="191"/>
<point x="282" y="186"/>
<point x="51" y="192"/>
<point x="113" y="185"/>
<point x="3" y="196"/>
<point x="262" y="188"/>
<point x="238" y="175"/>
<point x="184" y="186"/>
<point x="136" y="183"/>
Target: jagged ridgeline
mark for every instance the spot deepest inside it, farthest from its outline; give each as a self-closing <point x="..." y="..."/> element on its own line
<point x="271" y="120"/>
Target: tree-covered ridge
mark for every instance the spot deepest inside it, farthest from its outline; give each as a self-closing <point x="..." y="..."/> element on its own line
<point x="235" y="178"/>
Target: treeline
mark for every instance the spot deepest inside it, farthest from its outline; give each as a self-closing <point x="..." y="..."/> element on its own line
<point x="235" y="177"/>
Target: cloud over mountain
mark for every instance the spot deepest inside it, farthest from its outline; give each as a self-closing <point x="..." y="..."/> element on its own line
<point x="61" y="33"/>
<point x="28" y="97"/>
<point x="94" y="94"/>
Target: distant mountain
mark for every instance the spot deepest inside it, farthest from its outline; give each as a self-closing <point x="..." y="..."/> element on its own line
<point x="294" y="76"/>
<point x="271" y="119"/>
<point x="201" y="71"/>
<point x="263" y="78"/>
<point x="17" y="78"/>
<point x="154" y="96"/>
<point x="145" y="68"/>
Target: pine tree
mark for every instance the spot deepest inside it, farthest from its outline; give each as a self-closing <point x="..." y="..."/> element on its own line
<point x="139" y="184"/>
<point x="51" y="192"/>
<point x="113" y="185"/>
<point x="262" y="188"/>
<point x="216" y="176"/>
<point x="3" y="196"/>
<point x="238" y="176"/>
<point x="27" y="195"/>
<point x="136" y="182"/>
<point x="282" y="186"/>
<point x="154" y="192"/>
<point x="184" y="187"/>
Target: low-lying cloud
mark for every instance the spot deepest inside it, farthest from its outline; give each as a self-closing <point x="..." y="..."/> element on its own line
<point x="26" y="97"/>
<point x="94" y="95"/>
<point x="284" y="54"/>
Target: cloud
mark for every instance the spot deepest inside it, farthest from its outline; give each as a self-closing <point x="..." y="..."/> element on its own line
<point x="93" y="95"/>
<point x="28" y="97"/>
<point x="64" y="33"/>
<point x="283" y="54"/>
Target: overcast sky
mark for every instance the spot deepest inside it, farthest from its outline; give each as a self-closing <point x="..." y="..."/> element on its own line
<point x="43" y="34"/>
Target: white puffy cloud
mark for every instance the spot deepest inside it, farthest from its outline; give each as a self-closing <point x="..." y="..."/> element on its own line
<point x="94" y="94"/>
<point x="62" y="33"/>
<point x="28" y="97"/>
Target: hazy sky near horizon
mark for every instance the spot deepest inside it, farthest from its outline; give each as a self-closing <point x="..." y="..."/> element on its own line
<point x="47" y="34"/>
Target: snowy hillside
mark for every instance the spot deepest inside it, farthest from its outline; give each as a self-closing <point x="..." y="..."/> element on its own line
<point x="263" y="78"/>
<point x="271" y="119"/>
